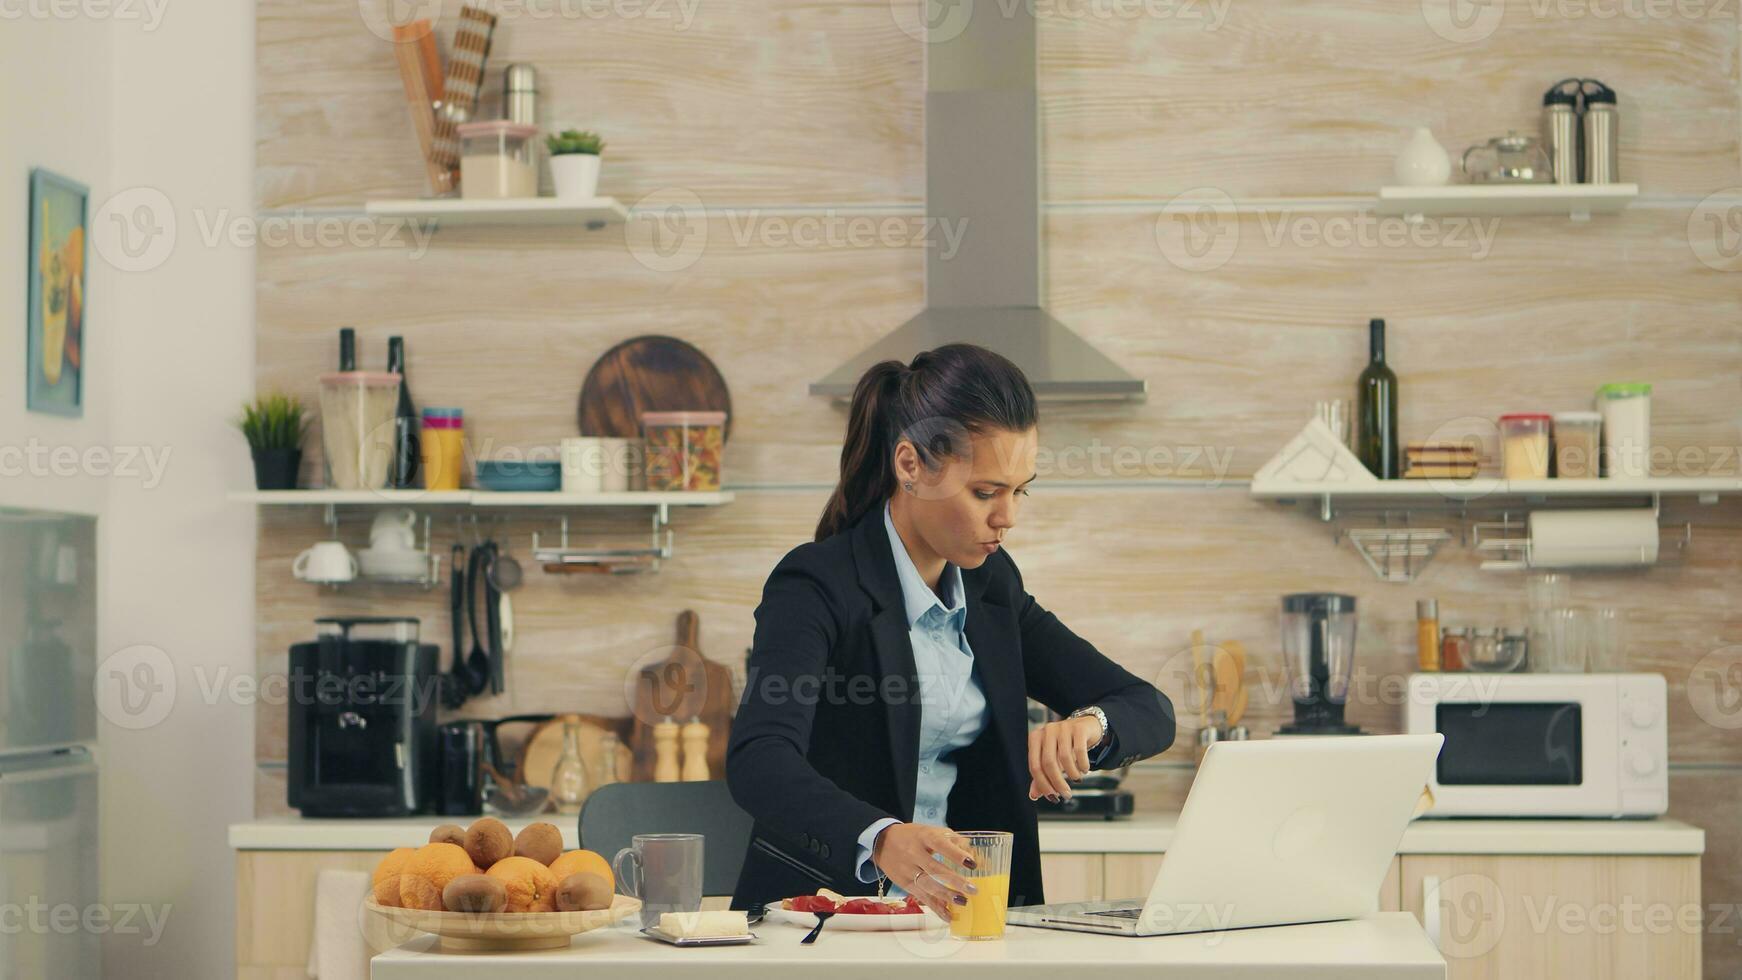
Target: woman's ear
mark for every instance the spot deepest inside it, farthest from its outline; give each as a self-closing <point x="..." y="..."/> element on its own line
<point x="907" y="465"/>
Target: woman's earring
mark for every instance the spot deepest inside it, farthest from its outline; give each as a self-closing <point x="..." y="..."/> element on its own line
<point x="908" y="487"/>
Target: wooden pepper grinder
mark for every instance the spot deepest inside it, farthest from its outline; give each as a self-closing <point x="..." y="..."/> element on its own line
<point x="665" y="752"/>
<point x="695" y="752"/>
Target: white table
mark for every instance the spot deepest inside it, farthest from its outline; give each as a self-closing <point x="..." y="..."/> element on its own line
<point x="1389" y="945"/>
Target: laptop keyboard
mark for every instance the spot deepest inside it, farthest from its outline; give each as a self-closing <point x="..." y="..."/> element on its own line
<point x="1119" y="913"/>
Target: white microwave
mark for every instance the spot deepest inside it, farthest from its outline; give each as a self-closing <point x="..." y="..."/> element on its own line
<point x="1545" y="745"/>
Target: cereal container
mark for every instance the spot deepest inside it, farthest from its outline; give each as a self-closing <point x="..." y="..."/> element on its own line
<point x="684" y="449"/>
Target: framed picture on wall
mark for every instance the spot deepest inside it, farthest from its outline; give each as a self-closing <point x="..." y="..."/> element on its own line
<point x="55" y="320"/>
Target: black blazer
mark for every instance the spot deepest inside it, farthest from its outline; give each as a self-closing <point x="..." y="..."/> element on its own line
<point x="826" y="739"/>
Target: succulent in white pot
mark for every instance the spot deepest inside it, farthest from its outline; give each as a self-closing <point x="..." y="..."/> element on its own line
<point x="574" y="163"/>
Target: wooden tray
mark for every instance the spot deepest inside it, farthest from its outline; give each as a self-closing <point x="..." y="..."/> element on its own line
<point x="469" y="932"/>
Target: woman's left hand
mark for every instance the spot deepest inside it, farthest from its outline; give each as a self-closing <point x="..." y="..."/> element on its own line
<point x="1057" y="752"/>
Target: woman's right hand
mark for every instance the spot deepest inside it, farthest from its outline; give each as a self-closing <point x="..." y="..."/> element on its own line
<point x="903" y="850"/>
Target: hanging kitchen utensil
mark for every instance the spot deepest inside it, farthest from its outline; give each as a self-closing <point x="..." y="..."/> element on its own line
<point x="477" y="669"/>
<point x="649" y="374"/>
<point x="687" y="685"/>
<point x="493" y="622"/>
<point x="456" y="684"/>
<point x="505" y="614"/>
<point x="505" y="573"/>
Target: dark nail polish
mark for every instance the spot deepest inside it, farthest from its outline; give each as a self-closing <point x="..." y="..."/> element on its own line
<point x="961" y="900"/>
<point x="970" y="864"/>
<point x="1052" y="797"/>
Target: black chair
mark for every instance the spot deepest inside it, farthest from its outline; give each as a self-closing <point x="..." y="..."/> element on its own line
<point x="616" y="812"/>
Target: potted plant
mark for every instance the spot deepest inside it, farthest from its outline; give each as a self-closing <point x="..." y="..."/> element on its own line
<point x="273" y="426"/>
<point x="574" y="163"/>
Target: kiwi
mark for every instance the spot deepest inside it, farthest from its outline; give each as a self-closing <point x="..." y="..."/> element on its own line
<point x="474" y="893"/>
<point x="583" y="891"/>
<point x="541" y="842"/>
<point x="448" y="833"/>
<point x="488" y="841"/>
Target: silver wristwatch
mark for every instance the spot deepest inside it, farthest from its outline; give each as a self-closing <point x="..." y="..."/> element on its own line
<point x="1099" y="715"/>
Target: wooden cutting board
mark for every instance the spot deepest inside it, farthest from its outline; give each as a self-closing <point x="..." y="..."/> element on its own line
<point x="649" y="374"/>
<point x="544" y="746"/>
<point x="686" y="685"/>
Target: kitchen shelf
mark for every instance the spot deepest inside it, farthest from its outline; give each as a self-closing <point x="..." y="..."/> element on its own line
<point x="1706" y="489"/>
<point x="482" y="498"/>
<point x="1576" y="201"/>
<point x="590" y="213"/>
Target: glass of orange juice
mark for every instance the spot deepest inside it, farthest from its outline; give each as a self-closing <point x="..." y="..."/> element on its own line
<point x="983" y="916"/>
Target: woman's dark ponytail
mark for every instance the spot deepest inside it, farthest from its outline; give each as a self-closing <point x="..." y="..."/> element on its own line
<point x="942" y="395"/>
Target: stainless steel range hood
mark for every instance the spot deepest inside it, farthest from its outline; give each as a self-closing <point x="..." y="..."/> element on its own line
<point x="982" y="176"/>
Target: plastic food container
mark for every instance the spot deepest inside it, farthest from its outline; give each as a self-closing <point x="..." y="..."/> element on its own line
<point x="1524" y="446"/>
<point x="357" y="430"/>
<point x="496" y="160"/>
<point x="443" y="446"/>
<point x="1626" y="411"/>
<point x="684" y="449"/>
<point x="1576" y="444"/>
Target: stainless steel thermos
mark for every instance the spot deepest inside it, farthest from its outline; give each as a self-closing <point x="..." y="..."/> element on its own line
<point x="1560" y="130"/>
<point x="1602" y="121"/>
<point x="1580" y="131"/>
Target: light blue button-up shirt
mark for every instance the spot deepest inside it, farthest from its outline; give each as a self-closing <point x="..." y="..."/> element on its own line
<point x="952" y="705"/>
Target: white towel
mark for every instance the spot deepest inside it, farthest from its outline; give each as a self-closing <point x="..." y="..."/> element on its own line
<point x="337" y="951"/>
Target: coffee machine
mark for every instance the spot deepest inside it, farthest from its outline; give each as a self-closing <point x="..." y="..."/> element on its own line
<point x="362" y="701"/>
<point x="1318" y="645"/>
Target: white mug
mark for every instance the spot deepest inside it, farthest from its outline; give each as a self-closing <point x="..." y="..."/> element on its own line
<point x="395" y="529"/>
<point x="621" y="461"/>
<point x="325" y="561"/>
<point x="583" y="464"/>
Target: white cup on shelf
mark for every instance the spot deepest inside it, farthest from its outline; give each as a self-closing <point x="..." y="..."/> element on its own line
<point x="325" y="562"/>
<point x="584" y="464"/>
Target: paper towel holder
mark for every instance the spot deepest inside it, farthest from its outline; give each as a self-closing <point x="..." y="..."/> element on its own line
<point x="1509" y="542"/>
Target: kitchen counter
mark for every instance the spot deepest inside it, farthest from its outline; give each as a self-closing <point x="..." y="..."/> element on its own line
<point x="1387" y="945"/>
<point x="1148" y="834"/>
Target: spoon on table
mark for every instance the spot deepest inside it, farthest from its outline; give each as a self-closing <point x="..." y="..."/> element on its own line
<point x="811" y="937"/>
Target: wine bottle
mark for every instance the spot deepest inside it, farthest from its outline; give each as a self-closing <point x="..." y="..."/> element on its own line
<point x="1376" y="394"/>
<point x="347" y="349"/>
<point x="406" y="434"/>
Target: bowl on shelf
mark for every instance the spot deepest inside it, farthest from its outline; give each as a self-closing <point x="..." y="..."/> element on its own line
<point x="519" y="475"/>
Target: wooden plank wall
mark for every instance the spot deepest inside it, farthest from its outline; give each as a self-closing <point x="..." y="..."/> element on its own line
<point x="774" y="113"/>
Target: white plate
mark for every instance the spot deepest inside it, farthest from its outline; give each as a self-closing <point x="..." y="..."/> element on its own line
<point x="861" y="922"/>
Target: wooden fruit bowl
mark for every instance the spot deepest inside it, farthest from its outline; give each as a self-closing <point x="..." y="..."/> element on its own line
<point x="486" y="931"/>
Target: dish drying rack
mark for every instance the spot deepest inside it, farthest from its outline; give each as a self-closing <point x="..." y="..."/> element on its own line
<point x="565" y="557"/>
<point x="1397" y="553"/>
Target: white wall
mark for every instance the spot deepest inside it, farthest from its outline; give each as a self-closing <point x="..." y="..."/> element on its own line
<point x="158" y="97"/>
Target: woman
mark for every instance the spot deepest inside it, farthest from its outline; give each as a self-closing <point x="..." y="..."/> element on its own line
<point x="885" y="694"/>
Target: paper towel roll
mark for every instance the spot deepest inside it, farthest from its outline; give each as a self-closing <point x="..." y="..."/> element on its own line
<point x="1590" y="538"/>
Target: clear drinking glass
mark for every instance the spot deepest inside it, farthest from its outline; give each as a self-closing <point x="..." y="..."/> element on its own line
<point x="1606" y="639"/>
<point x="1566" y="650"/>
<point x="983" y="916"/>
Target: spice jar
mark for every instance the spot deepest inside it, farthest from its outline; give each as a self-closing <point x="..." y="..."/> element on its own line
<point x="1524" y="446"/>
<point x="1427" y="634"/>
<point x="1454" y="648"/>
<point x="1575" y="444"/>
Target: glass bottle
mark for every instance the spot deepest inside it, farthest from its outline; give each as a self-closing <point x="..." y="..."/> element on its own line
<point x="406" y="430"/>
<point x="1376" y="394"/>
<point x="568" y="781"/>
<point x="607" y="759"/>
<point x="1427" y="634"/>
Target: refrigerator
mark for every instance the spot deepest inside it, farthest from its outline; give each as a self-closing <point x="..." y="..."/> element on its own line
<point x="48" y="736"/>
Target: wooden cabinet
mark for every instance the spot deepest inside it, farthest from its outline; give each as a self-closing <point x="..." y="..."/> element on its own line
<point x="1072" y="877"/>
<point x="1130" y="875"/>
<point x="1594" y="916"/>
<point x="275" y="907"/>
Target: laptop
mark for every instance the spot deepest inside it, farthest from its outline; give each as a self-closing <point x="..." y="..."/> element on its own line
<point x="1273" y="832"/>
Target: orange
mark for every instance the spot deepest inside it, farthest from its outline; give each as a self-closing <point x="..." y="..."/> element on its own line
<point x="385" y="881"/>
<point x="576" y="861"/>
<point x="428" y="871"/>
<point x="531" y="886"/>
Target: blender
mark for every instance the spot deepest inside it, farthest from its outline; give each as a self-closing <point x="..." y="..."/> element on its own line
<point x="1318" y="644"/>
